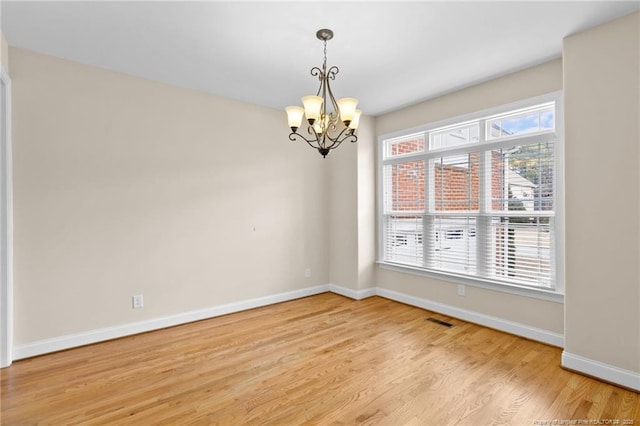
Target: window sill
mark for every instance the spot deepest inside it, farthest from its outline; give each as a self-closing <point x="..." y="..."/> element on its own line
<point x="535" y="293"/>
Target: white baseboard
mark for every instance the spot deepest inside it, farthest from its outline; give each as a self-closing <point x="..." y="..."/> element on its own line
<point x="352" y="294"/>
<point x="99" y="335"/>
<point x="626" y="378"/>
<point x="93" y="336"/>
<point x="533" y="333"/>
<point x="606" y="372"/>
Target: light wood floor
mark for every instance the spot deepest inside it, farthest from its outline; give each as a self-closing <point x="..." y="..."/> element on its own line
<point x="324" y="359"/>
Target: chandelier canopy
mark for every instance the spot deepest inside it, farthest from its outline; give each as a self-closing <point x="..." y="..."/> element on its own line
<point x="328" y="122"/>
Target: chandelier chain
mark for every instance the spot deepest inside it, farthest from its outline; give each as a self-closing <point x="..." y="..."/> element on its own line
<point x="324" y="63"/>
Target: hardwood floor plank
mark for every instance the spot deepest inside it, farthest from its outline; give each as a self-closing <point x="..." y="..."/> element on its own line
<point x="324" y="360"/>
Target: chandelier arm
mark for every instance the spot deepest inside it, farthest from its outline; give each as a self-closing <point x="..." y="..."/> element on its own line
<point x="320" y="139"/>
<point x="333" y="71"/>
<point x="334" y="145"/>
<point x="351" y="138"/>
<point x="293" y="137"/>
<point x="336" y="110"/>
<point x="316" y="72"/>
<point x="340" y="138"/>
<point x="323" y="86"/>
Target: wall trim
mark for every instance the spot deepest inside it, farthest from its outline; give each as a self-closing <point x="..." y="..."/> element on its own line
<point x="99" y="335"/>
<point x="352" y="294"/>
<point x="533" y="333"/>
<point x="94" y="336"/>
<point x="608" y="373"/>
<point x="579" y="364"/>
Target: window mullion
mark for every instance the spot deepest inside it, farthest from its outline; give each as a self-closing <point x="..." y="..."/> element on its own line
<point x="428" y="237"/>
<point x="483" y="222"/>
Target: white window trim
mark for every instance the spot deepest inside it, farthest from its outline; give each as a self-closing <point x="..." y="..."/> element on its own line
<point x="555" y="295"/>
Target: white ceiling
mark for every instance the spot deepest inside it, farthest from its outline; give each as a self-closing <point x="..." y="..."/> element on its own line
<point x="390" y="54"/>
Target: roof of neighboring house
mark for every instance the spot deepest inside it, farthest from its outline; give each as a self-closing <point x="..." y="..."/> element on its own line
<point x="517" y="180"/>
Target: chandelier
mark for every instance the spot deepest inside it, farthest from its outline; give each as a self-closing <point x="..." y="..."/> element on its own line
<point x="329" y="122"/>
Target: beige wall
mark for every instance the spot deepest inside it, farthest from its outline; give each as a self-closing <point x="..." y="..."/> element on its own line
<point x="125" y="186"/>
<point x="352" y="211"/>
<point x="343" y="215"/>
<point x="541" y="314"/>
<point x="534" y="81"/>
<point x="602" y="101"/>
<point x="366" y="226"/>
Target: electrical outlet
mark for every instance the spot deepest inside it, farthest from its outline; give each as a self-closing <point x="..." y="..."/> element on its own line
<point x="461" y="290"/>
<point x="137" y="301"/>
<point x="307" y="273"/>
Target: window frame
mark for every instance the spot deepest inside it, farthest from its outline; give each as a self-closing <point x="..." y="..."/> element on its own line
<point x="556" y="294"/>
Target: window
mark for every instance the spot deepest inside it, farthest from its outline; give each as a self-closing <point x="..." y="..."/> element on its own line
<point x="475" y="199"/>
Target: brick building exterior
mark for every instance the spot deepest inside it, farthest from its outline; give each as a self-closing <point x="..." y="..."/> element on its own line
<point x="456" y="181"/>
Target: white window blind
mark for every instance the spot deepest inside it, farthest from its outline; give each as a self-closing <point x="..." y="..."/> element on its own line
<point x="475" y="198"/>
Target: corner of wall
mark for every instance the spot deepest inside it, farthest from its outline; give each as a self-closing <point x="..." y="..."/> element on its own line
<point x="366" y="213"/>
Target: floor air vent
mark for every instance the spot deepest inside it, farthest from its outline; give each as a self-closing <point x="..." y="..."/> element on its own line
<point x="437" y="321"/>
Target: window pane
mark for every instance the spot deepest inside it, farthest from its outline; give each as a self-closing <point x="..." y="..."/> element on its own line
<point x="522" y="250"/>
<point x="405" y="145"/>
<point x="452" y="244"/>
<point x="403" y="239"/>
<point x="532" y="120"/>
<point x="475" y="205"/>
<point x="404" y="187"/>
<point x="456" y="182"/>
<point x="454" y="136"/>
<point x="522" y="178"/>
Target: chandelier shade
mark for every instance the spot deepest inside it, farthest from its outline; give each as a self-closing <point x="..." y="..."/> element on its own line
<point x="294" y="116"/>
<point x="312" y="107"/>
<point x="328" y="122"/>
<point x="347" y="107"/>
